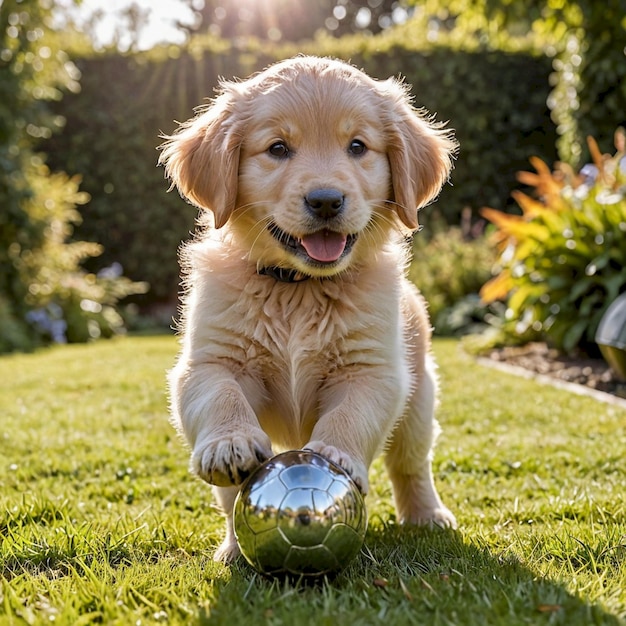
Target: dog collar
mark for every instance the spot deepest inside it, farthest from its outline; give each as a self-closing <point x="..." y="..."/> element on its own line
<point x="283" y="274"/>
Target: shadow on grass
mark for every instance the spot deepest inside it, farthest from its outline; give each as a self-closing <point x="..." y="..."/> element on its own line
<point x="409" y="576"/>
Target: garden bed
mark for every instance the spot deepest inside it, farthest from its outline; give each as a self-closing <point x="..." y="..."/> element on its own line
<point x="540" y="359"/>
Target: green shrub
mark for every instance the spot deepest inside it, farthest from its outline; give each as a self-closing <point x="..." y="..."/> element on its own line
<point x="563" y="261"/>
<point x="45" y="293"/>
<point x="448" y="267"/>
<point x="469" y="316"/>
<point x="61" y="302"/>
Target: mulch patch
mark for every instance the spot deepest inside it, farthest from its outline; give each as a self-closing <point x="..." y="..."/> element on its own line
<point x="541" y="359"/>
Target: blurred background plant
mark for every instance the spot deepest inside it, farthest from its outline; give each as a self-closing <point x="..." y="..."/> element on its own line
<point x="45" y="295"/>
<point x="563" y="261"/>
<point x="514" y="79"/>
<point x="451" y="264"/>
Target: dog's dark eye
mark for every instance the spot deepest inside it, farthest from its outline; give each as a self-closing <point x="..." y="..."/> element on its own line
<point x="279" y="150"/>
<point x="357" y="147"/>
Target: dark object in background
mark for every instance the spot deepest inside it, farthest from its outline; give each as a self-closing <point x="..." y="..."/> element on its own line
<point x="611" y="336"/>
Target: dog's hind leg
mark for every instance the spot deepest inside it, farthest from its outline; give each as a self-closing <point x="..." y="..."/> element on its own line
<point x="408" y="457"/>
<point x="228" y="549"/>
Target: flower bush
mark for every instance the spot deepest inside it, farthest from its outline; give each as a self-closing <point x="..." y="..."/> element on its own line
<point x="563" y="261"/>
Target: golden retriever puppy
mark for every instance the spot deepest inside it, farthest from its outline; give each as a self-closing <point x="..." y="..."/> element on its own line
<point x="299" y="328"/>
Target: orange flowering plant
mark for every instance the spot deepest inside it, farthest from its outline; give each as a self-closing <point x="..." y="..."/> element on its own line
<point x="563" y="260"/>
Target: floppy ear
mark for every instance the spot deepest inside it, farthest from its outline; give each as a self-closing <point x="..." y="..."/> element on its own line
<point x="202" y="158"/>
<point x="420" y="153"/>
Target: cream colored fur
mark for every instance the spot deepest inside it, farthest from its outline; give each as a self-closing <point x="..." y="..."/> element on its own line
<point x="339" y="361"/>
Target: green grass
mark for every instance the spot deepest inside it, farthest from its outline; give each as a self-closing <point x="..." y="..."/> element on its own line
<point x="101" y="523"/>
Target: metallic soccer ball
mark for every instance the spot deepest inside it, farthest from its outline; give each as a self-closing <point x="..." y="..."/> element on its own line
<point x="301" y="514"/>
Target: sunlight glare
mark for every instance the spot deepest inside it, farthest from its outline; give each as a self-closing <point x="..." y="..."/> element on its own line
<point x="159" y="27"/>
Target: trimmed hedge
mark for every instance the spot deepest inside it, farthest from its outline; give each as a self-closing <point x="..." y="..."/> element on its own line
<point x="495" y="101"/>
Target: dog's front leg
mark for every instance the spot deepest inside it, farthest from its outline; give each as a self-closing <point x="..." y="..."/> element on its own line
<point x="356" y="418"/>
<point x="210" y="407"/>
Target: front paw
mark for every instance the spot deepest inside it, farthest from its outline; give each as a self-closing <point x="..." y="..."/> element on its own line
<point x="229" y="460"/>
<point x="355" y="468"/>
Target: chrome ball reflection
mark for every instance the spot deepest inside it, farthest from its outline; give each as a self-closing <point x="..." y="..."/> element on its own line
<point x="301" y="514"/>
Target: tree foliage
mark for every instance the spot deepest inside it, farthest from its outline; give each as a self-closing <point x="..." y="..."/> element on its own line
<point x="44" y="293"/>
<point x="586" y="40"/>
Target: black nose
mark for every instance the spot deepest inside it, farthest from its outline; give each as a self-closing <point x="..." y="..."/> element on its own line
<point x="324" y="203"/>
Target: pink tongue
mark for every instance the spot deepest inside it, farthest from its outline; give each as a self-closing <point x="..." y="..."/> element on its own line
<point x="324" y="246"/>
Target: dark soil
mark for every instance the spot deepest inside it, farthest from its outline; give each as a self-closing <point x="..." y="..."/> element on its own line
<point x="539" y="358"/>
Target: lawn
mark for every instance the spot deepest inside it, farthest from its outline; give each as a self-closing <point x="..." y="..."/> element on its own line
<point x="101" y="523"/>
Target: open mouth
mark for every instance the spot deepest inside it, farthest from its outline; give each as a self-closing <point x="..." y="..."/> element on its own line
<point x="323" y="247"/>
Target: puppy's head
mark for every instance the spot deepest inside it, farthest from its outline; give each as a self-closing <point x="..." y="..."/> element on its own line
<point x="311" y="163"/>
